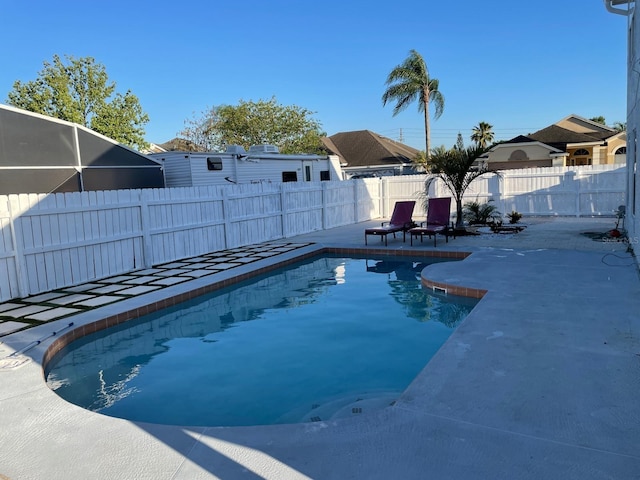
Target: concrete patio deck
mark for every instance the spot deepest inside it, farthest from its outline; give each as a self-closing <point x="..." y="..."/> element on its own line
<point x="541" y="380"/>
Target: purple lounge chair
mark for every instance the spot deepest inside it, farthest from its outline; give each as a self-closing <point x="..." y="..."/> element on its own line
<point x="400" y="222"/>
<point x="438" y="212"/>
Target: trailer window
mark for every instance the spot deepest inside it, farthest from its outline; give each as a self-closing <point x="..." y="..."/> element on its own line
<point x="324" y="175"/>
<point x="214" y="163"/>
<point x="289" y="176"/>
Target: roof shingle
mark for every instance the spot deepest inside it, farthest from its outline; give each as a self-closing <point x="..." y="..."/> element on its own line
<point x="364" y="148"/>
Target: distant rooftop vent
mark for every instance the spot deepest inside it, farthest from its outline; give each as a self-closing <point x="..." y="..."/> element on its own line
<point x="237" y="149"/>
<point x="253" y="149"/>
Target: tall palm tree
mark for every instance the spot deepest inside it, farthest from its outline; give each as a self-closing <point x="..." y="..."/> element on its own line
<point x="482" y="134"/>
<point x="409" y="82"/>
<point x="455" y="168"/>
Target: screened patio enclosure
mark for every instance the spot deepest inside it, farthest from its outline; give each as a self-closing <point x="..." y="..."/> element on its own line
<point x="40" y="154"/>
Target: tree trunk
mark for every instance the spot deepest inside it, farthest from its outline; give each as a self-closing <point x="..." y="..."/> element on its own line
<point x="458" y="212"/>
<point x="427" y="126"/>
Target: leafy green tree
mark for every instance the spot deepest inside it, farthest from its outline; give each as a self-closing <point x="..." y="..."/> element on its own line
<point x="455" y="167"/>
<point x="79" y="91"/>
<point x="410" y="81"/>
<point x="420" y="161"/>
<point x="599" y="119"/>
<point x="121" y="120"/>
<point x="459" y="142"/>
<point x="620" y="126"/>
<point x="200" y="132"/>
<point x="291" y="128"/>
<point x="482" y="134"/>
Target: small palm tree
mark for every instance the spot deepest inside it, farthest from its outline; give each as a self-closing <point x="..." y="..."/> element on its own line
<point x="476" y="213"/>
<point x="482" y="134"/>
<point x="409" y="82"/>
<point x="620" y="126"/>
<point x="455" y="167"/>
<point x="420" y="161"/>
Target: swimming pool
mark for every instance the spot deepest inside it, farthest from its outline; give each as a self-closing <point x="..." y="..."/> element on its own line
<point x="325" y="338"/>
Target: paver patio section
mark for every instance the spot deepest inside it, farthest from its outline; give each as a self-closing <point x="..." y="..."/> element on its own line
<point x="540" y="381"/>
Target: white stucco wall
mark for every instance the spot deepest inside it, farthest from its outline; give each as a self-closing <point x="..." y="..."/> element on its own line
<point x="534" y="152"/>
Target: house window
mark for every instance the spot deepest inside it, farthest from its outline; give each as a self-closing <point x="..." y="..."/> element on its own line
<point x="307" y="173"/>
<point x="580" y="157"/>
<point x="518" y="156"/>
<point x="621" y="151"/>
<point x="289" y="176"/>
<point x="324" y="175"/>
<point x="214" y="163"/>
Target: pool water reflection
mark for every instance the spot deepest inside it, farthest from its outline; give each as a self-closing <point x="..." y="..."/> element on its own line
<point x="326" y="338"/>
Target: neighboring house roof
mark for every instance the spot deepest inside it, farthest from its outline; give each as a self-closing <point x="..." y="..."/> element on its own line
<point x="524" y="142"/>
<point x="518" y="139"/>
<point x="180" y="145"/>
<point x="332" y="148"/>
<point x="555" y="144"/>
<point x="364" y="148"/>
<point x="570" y="130"/>
<point x="559" y="137"/>
<point x="152" y="148"/>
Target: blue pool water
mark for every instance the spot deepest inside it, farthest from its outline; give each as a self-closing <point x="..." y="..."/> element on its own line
<point x="325" y="338"/>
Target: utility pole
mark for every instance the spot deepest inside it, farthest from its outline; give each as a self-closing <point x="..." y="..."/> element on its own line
<point x="400" y="139"/>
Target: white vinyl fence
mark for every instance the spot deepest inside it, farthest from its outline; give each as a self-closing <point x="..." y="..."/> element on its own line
<point x="562" y="191"/>
<point x="58" y="240"/>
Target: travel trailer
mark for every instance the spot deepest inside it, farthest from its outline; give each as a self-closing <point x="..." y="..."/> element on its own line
<point x="262" y="163"/>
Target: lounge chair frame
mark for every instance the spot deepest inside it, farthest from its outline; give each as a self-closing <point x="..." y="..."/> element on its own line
<point x="400" y="222"/>
<point x="438" y="214"/>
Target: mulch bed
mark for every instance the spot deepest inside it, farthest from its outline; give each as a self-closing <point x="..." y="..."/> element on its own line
<point x="484" y="229"/>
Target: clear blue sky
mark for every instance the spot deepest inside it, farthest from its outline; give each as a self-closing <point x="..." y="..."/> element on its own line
<point x="518" y="66"/>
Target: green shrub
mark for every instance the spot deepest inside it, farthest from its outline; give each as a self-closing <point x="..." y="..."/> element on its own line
<point x="514" y="217"/>
<point x="476" y="213"/>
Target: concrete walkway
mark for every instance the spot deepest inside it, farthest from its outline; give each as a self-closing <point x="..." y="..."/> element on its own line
<point x="540" y="381"/>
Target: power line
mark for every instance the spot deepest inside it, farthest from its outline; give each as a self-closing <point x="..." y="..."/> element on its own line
<point x="435" y="130"/>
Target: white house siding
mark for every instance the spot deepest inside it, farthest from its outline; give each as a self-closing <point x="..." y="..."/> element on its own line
<point x="177" y="170"/>
<point x="202" y="176"/>
<point x="267" y="170"/>
<point x="335" y="168"/>
<point x="633" y="125"/>
<point x="183" y="169"/>
<point x="190" y="169"/>
<point x="536" y="153"/>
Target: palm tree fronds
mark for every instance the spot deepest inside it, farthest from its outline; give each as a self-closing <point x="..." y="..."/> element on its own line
<point x="455" y="167"/>
<point x="409" y="82"/>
